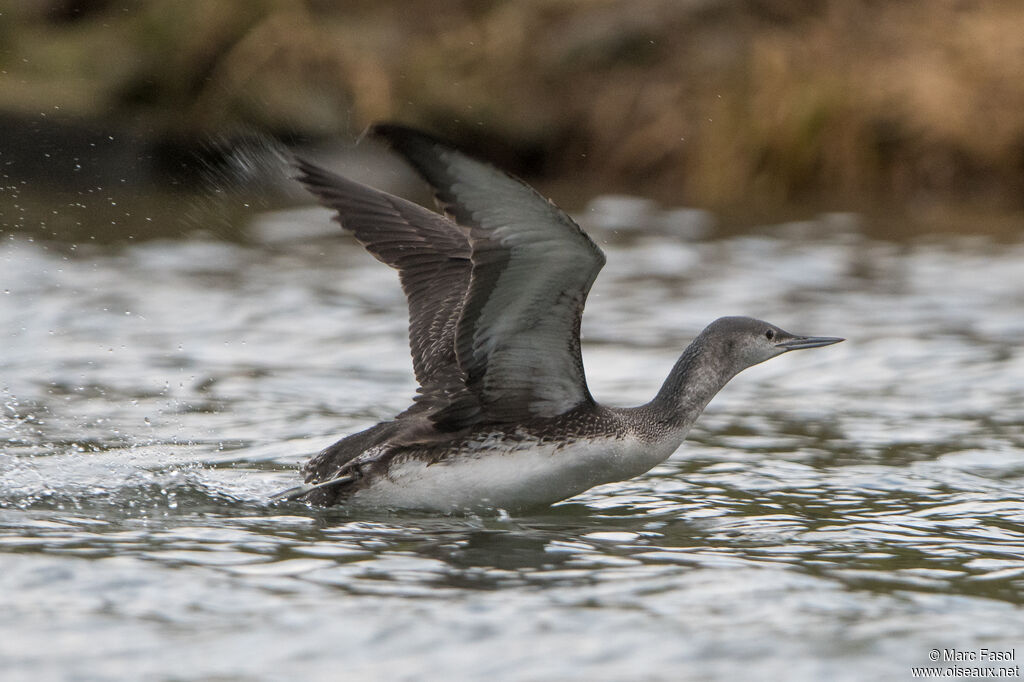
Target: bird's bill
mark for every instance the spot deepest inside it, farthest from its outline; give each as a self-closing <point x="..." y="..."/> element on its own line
<point x="801" y="342"/>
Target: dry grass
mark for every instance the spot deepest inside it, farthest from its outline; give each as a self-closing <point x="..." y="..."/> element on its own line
<point x="765" y="103"/>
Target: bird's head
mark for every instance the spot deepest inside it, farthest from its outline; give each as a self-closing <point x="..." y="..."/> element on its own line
<point x="747" y="342"/>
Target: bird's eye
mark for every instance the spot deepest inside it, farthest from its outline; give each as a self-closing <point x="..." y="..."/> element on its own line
<point x="770" y="334"/>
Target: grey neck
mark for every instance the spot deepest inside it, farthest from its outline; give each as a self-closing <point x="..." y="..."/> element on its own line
<point x="700" y="373"/>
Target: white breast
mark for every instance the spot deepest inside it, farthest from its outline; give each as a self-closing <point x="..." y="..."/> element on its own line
<point x="487" y="477"/>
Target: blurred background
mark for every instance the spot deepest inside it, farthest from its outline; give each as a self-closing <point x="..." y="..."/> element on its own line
<point x="908" y="113"/>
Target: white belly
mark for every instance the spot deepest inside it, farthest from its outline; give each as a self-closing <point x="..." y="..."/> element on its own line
<point x="535" y="474"/>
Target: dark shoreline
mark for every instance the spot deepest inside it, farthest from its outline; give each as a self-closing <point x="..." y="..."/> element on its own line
<point x="759" y="111"/>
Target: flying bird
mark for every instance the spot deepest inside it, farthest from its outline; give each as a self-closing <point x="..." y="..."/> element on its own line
<point x="503" y="418"/>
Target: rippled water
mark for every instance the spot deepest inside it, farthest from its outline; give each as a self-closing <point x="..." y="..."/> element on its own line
<point x="836" y="514"/>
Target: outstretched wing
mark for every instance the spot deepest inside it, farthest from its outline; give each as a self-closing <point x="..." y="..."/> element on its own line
<point x="431" y="254"/>
<point x="517" y="339"/>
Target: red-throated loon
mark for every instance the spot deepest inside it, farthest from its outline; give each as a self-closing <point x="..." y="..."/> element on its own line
<point x="496" y="286"/>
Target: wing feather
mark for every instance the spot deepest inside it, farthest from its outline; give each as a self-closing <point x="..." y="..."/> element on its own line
<point x="431" y="254"/>
<point x="517" y="337"/>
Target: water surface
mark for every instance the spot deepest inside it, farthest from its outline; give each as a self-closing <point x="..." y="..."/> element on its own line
<point x="835" y="514"/>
